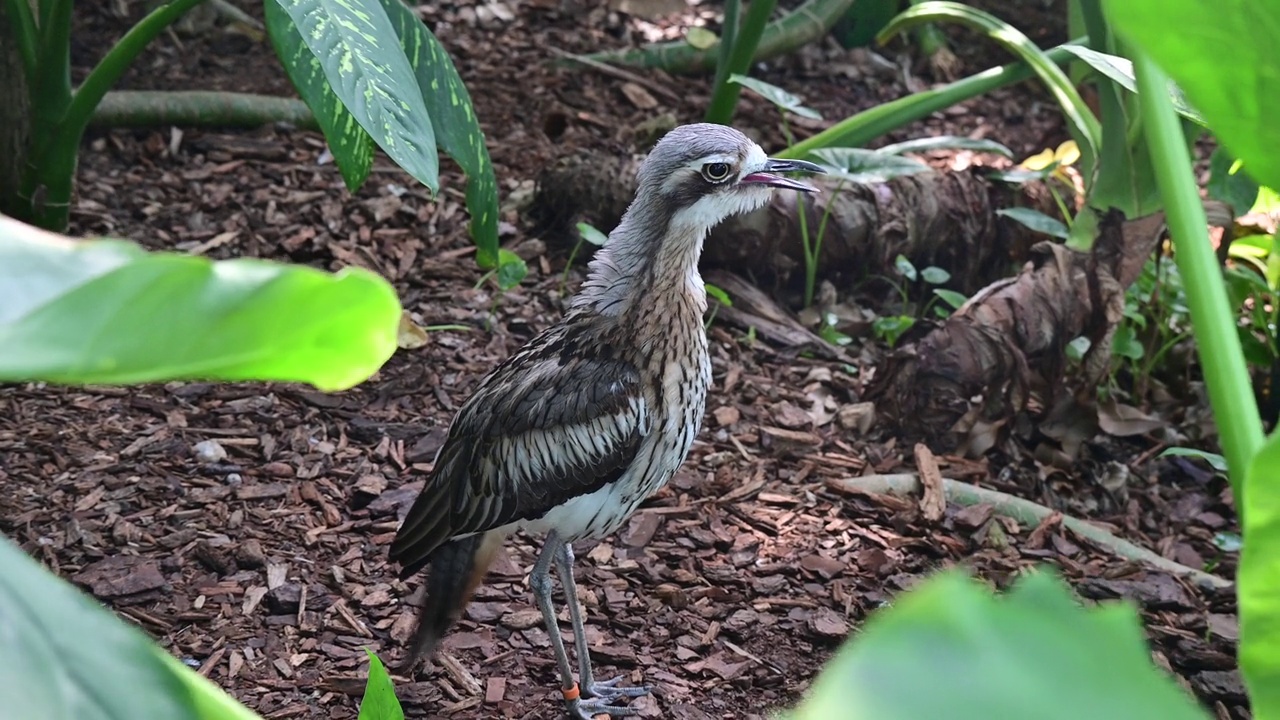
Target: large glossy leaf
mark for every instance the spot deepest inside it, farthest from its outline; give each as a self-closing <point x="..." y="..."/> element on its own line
<point x="1120" y="70"/>
<point x="951" y="649"/>
<point x="1258" y="582"/>
<point x="107" y="311"/>
<point x="1073" y="107"/>
<point x="866" y="166"/>
<point x="357" y="50"/>
<point x="457" y="131"/>
<point x="65" y="657"/>
<point x="1223" y="56"/>
<point x="350" y="143"/>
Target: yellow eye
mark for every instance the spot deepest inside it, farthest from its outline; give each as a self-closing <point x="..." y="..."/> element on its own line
<point x="716" y="172"/>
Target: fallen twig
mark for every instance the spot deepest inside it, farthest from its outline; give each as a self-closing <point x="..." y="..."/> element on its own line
<point x="1026" y="512"/>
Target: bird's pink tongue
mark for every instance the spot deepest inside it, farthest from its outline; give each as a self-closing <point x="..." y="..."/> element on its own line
<point x="764" y="178"/>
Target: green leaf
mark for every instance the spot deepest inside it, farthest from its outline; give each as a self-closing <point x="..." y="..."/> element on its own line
<point x="1125" y="343"/>
<point x="1035" y="220"/>
<point x="1223" y="57"/>
<point x="1216" y="461"/>
<point x="947" y="142"/>
<point x="108" y="312"/>
<point x="700" y="37"/>
<point x="65" y="656"/>
<point x="1258" y="581"/>
<point x="1060" y="86"/>
<point x="719" y="295"/>
<point x="1236" y="189"/>
<point x="351" y="145"/>
<point x="857" y="165"/>
<point x="591" y="234"/>
<point x="1120" y="70"/>
<point x="367" y="69"/>
<point x="935" y="275"/>
<point x="379" y="701"/>
<point x="1022" y="176"/>
<point x="776" y="95"/>
<point x="511" y="269"/>
<point x="905" y="268"/>
<point x="951" y="297"/>
<point x="891" y="327"/>
<point x="453" y="117"/>
<point x="1032" y="653"/>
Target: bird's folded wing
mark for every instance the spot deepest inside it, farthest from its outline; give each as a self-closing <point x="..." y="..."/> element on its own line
<point x="537" y="433"/>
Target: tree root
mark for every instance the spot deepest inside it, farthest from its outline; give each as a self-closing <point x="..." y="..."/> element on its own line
<point x="1027" y="513"/>
<point x="798" y="28"/>
<point x="198" y="108"/>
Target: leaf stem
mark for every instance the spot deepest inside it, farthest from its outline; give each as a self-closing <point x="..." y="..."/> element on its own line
<point x="28" y="36"/>
<point x="1235" y="410"/>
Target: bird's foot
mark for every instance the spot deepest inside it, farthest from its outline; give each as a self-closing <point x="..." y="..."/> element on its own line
<point x="595" y="701"/>
<point x="609" y="690"/>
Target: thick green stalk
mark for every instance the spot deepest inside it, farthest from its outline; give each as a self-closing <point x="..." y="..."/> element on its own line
<point x="53" y="165"/>
<point x="28" y="36"/>
<point x="725" y="96"/>
<point x="1235" y="410"/>
<point x="51" y="91"/>
<point x="728" y="36"/>
<point x="860" y="129"/>
<point x="198" y="108"/>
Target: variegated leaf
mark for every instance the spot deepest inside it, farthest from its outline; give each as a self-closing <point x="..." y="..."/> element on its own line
<point x="457" y="131"/>
<point x="351" y="145"/>
<point x="355" y="44"/>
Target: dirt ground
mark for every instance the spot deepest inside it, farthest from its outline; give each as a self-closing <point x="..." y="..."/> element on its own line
<point x="267" y="569"/>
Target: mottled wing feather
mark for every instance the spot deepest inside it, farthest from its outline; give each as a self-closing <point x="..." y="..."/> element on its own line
<point x="546" y="426"/>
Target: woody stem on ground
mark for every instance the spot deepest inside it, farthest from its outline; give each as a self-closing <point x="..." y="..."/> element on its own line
<point x="1024" y="511"/>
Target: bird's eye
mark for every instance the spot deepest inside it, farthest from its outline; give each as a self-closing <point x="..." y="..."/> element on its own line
<point x="716" y="172"/>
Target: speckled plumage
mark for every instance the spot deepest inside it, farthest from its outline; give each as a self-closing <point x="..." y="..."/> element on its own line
<point x="571" y="433"/>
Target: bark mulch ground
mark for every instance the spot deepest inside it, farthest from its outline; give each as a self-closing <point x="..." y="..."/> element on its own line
<point x="245" y="526"/>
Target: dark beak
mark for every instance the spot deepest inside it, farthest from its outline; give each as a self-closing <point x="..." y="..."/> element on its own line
<point x="772" y="166"/>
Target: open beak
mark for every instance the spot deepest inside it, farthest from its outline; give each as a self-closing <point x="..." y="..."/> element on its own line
<point x="768" y="176"/>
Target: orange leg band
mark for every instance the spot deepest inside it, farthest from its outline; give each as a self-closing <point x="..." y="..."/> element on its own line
<point x="572" y="693"/>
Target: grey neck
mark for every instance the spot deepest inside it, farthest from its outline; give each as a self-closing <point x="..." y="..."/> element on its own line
<point x="648" y="258"/>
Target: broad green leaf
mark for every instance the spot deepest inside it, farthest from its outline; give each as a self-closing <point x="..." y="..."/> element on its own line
<point x="511" y="269"/>
<point x="1216" y="461"/>
<point x="379" y="701"/>
<point x="108" y="312"/>
<point x="1223" y="56"/>
<point x="1022" y="176"/>
<point x="591" y="234"/>
<point x="947" y="142"/>
<point x="65" y="657"/>
<point x="1236" y="189"/>
<point x="1125" y="343"/>
<point x="356" y="45"/>
<point x="1258" y="582"/>
<point x="951" y="297"/>
<point x="1032" y="653"/>
<point x="453" y="117"/>
<point x="1268" y="201"/>
<point x="935" y="275"/>
<point x="776" y="95"/>
<point x="1035" y="220"/>
<point x="891" y="327"/>
<point x="351" y="145"/>
<point x="857" y="165"/>
<point x="1120" y="70"/>
<point x="1059" y="85"/>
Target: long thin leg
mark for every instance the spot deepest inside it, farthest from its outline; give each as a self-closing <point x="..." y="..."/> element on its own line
<point x="540" y="580"/>
<point x="605" y="689"/>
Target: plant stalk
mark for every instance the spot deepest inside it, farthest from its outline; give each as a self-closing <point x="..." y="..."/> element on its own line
<point x="860" y="129"/>
<point x="728" y="37"/>
<point x="53" y="165"/>
<point x="1235" y="410"/>
<point x="725" y="95"/>
<point x="28" y="36"/>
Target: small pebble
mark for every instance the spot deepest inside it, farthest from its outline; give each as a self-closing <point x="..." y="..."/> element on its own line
<point x="209" y="452"/>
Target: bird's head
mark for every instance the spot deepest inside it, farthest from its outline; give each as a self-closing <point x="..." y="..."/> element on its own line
<point x="704" y="173"/>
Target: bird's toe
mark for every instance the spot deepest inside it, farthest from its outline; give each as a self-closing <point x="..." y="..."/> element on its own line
<point x="590" y="708"/>
<point x="609" y="690"/>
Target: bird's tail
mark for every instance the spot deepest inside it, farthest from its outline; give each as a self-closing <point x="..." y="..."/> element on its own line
<point x="457" y="567"/>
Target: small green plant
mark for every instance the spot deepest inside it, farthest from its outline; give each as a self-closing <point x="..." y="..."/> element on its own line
<point x="890" y="328"/>
<point x="586" y="233"/>
<point x="720" y="298"/>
